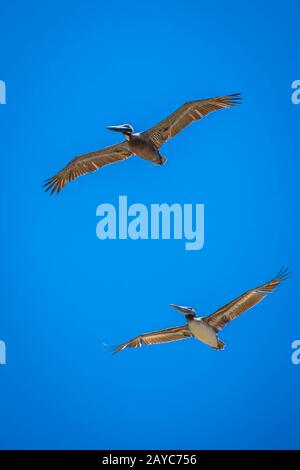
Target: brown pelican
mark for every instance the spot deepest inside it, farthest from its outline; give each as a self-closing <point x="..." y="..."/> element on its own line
<point x="144" y="144"/>
<point x="206" y="329"/>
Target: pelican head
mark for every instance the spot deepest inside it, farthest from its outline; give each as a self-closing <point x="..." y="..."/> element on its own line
<point x="126" y="129"/>
<point x="188" y="311"/>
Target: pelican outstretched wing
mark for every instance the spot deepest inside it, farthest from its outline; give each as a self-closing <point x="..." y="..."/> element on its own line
<point x="156" y="337"/>
<point x="234" y="309"/>
<point x="87" y="164"/>
<point x="185" y="115"/>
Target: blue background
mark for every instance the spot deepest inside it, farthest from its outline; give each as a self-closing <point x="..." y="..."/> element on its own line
<point x="71" y="68"/>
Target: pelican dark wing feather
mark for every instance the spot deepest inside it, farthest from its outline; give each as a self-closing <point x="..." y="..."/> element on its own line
<point x="87" y="163"/>
<point x="244" y="302"/>
<point x="185" y="115"/>
<point x="156" y="337"/>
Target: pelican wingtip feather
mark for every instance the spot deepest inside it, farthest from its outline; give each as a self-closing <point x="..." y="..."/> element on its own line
<point x="283" y="274"/>
<point x="52" y="186"/>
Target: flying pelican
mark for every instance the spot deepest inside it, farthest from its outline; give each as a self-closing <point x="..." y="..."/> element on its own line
<point x="206" y="329"/>
<point x="144" y="144"/>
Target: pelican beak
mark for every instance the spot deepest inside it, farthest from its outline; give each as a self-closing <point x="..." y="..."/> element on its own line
<point x="184" y="310"/>
<point x="122" y="129"/>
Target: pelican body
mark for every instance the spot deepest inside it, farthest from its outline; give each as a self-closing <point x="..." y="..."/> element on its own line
<point x="206" y="329"/>
<point x="145" y="144"/>
<point x="204" y="332"/>
<point x="139" y="144"/>
<point x="200" y="328"/>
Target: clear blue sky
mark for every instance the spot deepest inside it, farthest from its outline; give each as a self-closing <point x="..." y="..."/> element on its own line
<point x="71" y="68"/>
